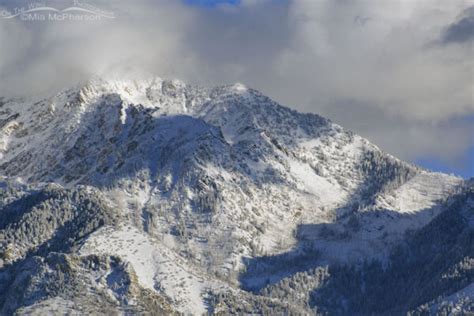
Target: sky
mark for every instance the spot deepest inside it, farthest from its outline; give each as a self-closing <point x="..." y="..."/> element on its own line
<point x="399" y="73"/>
<point x="211" y="3"/>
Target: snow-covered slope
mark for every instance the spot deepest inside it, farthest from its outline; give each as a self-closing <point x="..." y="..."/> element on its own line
<point x="206" y="184"/>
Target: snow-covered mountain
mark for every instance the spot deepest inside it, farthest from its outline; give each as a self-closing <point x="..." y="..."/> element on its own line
<point x="134" y="196"/>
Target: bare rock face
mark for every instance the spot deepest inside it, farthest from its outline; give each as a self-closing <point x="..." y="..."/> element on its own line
<point x="153" y="196"/>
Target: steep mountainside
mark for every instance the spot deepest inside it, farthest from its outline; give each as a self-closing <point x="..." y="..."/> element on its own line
<point x="153" y="195"/>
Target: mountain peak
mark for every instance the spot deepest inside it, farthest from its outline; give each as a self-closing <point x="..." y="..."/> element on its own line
<point x="201" y="192"/>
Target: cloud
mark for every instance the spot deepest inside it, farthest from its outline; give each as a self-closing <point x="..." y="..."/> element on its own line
<point x="53" y="54"/>
<point x="369" y="65"/>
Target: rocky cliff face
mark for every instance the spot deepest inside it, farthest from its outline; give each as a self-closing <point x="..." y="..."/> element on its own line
<point x="197" y="200"/>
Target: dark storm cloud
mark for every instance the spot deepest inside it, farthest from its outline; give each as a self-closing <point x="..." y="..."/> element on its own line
<point x="462" y="30"/>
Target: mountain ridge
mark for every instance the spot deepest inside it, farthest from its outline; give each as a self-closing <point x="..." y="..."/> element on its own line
<point x="217" y="179"/>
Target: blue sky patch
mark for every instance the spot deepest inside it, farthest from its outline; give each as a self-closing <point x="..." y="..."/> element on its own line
<point x="210" y="3"/>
